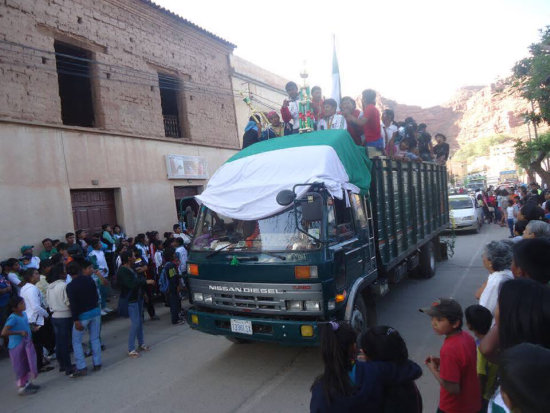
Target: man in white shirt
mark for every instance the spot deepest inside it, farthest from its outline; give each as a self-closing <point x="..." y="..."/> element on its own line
<point x="37" y="315"/>
<point x="331" y="119"/>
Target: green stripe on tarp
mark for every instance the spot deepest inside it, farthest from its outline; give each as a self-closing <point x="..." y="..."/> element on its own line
<point x="353" y="157"/>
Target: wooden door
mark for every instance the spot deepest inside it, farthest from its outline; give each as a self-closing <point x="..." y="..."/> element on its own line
<point x="93" y="208"/>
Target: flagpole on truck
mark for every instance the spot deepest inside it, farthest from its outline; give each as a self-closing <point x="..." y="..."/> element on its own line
<point x="336" y="87"/>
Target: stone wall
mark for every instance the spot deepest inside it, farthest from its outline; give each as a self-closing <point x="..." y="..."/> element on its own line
<point x="131" y="41"/>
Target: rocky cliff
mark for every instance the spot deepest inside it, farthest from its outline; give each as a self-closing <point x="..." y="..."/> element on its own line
<point x="473" y="112"/>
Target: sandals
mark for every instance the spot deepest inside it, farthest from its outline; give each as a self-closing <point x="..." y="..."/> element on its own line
<point x="133" y="354"/>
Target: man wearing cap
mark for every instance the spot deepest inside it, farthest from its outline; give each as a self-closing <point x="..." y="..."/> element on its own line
<point x="455" y="368"/>
<point x="28" y="260"/>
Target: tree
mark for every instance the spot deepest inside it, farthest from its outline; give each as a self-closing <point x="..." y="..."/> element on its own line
<point x="531" y="154"/>
<point x="531" y="78"/>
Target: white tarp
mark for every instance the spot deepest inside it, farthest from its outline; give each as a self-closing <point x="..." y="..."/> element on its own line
<point x="247" y="188"/>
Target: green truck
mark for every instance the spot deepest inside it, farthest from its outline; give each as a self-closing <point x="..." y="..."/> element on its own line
<point x="301" y="230"/>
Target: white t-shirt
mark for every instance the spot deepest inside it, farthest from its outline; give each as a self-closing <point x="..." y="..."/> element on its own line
<point x="510" y="212"/>
<point x="184" y="237"/>
<point x="182" y="254"/>
<point x="294" y="108"/>
<point x="333" y="122"/>
<point x="387" y="132"/>
<point x="101" y="262"/>
<point x="33" y="303"/>
<point x="489" y="296"/>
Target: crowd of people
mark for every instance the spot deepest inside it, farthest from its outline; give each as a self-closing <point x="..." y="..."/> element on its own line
<point x="515" y="208"/>
<point x="381" y="135"/>
<point x="48" y="302"/>
<point x="500" y="365"/>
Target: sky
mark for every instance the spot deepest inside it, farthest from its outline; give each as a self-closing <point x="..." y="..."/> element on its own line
<point x="415" y="52"/>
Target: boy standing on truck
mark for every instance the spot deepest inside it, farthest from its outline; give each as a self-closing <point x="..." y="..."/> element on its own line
<point x="455" y="368"/>
<point x="291" y="108"/>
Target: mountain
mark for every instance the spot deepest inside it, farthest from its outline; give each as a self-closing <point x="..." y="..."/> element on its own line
<point x="471" y="113"/>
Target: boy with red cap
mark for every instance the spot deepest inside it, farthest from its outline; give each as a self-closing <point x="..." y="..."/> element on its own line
<point x="455" y="368"/>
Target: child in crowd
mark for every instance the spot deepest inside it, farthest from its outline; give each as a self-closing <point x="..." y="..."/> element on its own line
<point x="21" y="349"/>
<point x="174" y="285"/>
<point x="347" y="385"/>
<point x="385" y="344"/>
<point x="524" y="378"/>
<point x="511" y="216"/>
<point x="101" y="273"/>
<point x="158" y="256"/>
<point x="182" y="255"/>
<point x="38" y="317"/>
<point x="519" y="228"/>
<point x="58" y="302"/>
<point x="331" y="119"/>
<point x="479" y="320"/>
<point x="455" y="368"/>
<point x="12" y="269"/>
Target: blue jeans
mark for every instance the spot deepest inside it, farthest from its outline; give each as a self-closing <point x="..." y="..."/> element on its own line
<point x="93" y="326"/>
<point x="511" y="226"/>
<point x="62" y="328"/>
<point x="135" y="311"/>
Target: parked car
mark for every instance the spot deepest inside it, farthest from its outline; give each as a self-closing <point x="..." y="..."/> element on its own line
<point x="464" y="213"/>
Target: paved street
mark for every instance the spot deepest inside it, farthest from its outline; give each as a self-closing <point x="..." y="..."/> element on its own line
<point x="188" y="371"/>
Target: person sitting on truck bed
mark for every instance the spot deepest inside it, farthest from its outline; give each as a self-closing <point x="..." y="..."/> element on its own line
<point x="252" y="131"/>
<point x="441" y="150"/>
<point x="349" y="109"/>
<point x="370" y="122"/>
<point x="276" y="128"/>
<point x="331" y="120"/>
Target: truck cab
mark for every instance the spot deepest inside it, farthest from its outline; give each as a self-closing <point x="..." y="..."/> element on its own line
<point x="276" y="278"/>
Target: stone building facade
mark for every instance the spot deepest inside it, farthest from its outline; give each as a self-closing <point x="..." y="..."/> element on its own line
<point x="111" y="111"/>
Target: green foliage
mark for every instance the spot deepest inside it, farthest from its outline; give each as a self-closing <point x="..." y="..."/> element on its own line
<point x="531" y="77"/>
<point x="480" y="147"/>
<point x="527" y="152"/>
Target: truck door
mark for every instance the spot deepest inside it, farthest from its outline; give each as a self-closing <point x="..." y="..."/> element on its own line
<point x="348" y="249"/>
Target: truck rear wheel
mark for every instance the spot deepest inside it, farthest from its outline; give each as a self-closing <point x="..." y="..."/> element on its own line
<point x="364" y="314"/>
<point x="426" y="266"/>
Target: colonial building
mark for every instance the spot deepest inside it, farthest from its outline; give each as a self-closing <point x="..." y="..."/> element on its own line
<point x="110" y="112"/>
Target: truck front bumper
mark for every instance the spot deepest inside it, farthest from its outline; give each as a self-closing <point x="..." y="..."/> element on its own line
<point x="287" y="332"/>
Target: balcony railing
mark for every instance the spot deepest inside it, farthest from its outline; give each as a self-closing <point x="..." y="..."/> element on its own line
<point x="171" y="126"/>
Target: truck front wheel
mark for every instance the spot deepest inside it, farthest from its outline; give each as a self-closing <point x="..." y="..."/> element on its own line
<point x="364" y="314"/>
<point x="426" y="266"/>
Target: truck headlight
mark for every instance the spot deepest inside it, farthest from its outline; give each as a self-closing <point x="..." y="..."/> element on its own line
<point x="312" y="305"/>
<point x="198" y="297"/>
<point x="293" y="305"/>
<point x="208" y="299"/>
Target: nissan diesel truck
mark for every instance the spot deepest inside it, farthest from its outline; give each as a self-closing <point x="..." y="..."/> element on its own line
<point x="305" y="229"/>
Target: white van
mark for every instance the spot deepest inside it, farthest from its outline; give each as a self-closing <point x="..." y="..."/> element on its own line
<point x="465" y="213"/>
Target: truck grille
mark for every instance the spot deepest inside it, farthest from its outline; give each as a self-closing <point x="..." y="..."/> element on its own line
<point x="255" y="297"/>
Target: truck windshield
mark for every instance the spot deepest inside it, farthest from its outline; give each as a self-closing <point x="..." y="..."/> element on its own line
<point x="277" y="233"/>
<point x="461" y="203"/>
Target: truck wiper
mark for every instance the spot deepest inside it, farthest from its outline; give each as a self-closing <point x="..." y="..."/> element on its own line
<point x="281" y="257"/>
<point x="222" y="248"/>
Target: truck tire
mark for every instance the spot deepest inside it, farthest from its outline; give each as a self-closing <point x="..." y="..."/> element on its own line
<point x="426" y="266"/>
<point x="238" y="340"/>
<point x="364" y="313"/>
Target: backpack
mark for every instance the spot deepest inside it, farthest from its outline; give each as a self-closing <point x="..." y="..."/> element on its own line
<point x="163" y="281"/>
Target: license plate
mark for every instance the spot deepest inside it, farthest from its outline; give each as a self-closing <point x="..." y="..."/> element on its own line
<point x="241" y="326"/>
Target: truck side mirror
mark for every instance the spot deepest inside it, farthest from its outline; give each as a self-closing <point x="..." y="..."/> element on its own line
<point x="312" y="207"/>
<point x="285" y="197"/>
